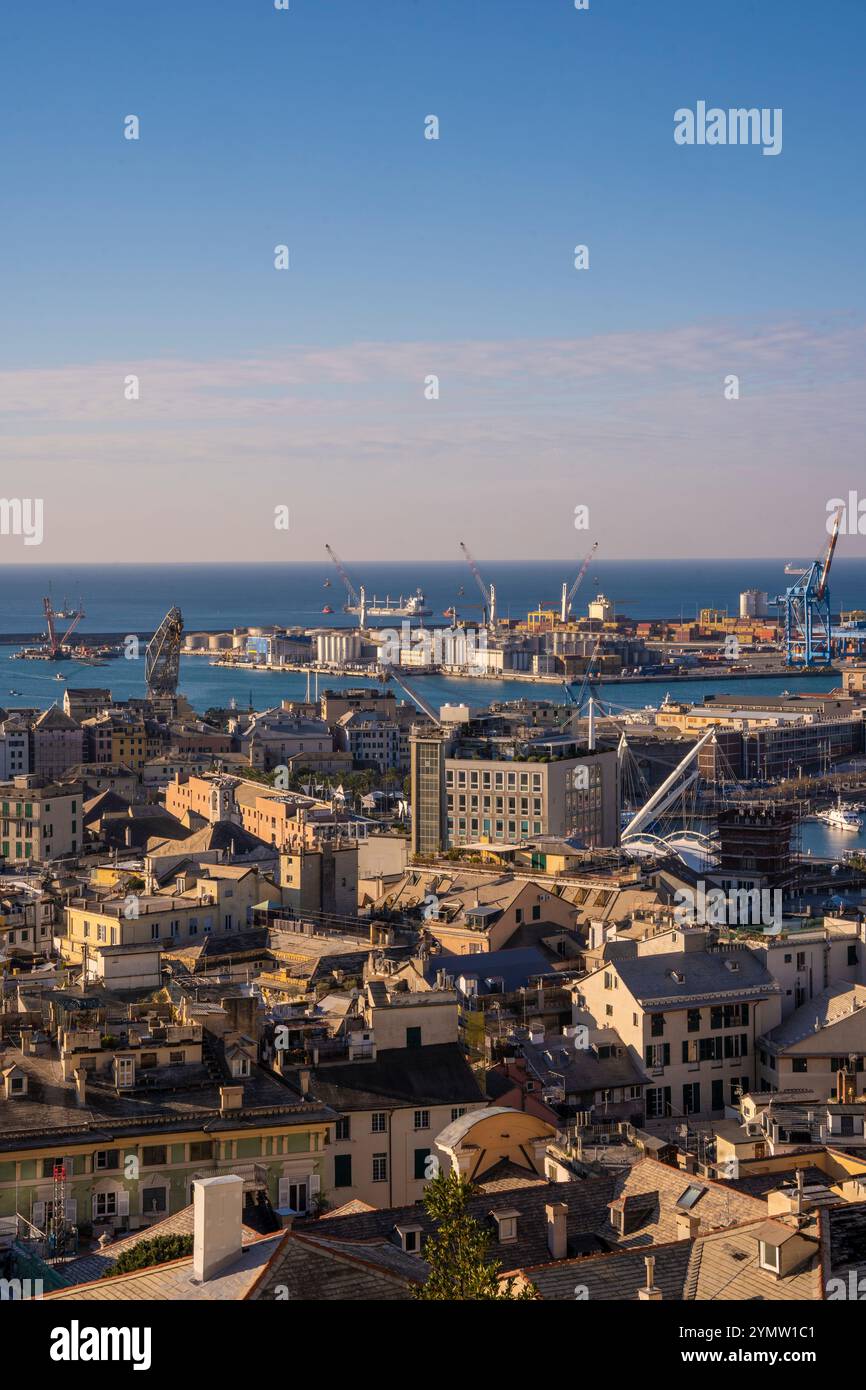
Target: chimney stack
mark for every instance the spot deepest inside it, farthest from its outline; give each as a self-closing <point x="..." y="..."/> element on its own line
<point x="649" y="1293"/>
<point x="80" y="1085"/>
<point x="231" y="1098"/>
<point x="557" y="1238"/>
<point x="304" y="1081"/>
<point x="218" y="1205"/>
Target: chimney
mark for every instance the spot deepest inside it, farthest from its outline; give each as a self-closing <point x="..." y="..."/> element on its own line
<point x="217" y="1203"/>
<point x="231" y="1098"/>
<point x="80" y="1085"/>
<point x="304" y="1081"/>
<point x="649" y="1293"/>
<point x="557" y="1239"/>
<point x="688" y="1224"/>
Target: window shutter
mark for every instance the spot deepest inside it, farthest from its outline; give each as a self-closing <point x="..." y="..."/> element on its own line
<point x="284" y="1193"/>
<point x="37" y="1215"/>
<point x="649" y="1056"/>
<point x="93" y="1211"/>
<point x="123" y="1202"/>
<point x="667" y="1054"/>
<point x="315" y="1183"/>
<point x="70" y="1210"/>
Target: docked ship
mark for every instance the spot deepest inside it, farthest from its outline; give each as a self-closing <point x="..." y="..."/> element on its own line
<point x="840" y="817"/>
<point x="415" y="606"/>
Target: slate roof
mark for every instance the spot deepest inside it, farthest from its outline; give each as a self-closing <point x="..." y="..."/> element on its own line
<point x="437" y="1075"/>
<point x="97" y="1262"/>
<point x="516" y="967"/>
<point x="839" y="1012"/>
<point x="706" y="974"/>
<point x="49" y="1113"/>
<point x="583" y="1069"/>
<point x="308" y="1265"/>
<point x="653" y="1189"/>
<point x="845" y="1239"/>
<point x="174" y="1282"/>
<point x="587" y="1213"/>
<point x="718" y="1266"/>
<point x="618" y="1274"/>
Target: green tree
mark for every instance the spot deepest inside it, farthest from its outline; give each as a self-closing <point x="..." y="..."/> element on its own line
<point x="457" y="1253"/>
<point x="155" y="1251"/>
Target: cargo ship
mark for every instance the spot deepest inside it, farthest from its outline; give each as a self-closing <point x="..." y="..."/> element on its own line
<point x="415" y="606"/>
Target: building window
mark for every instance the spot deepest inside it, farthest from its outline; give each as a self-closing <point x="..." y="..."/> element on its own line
<point x="379" y="1122"/>
<point x="422" y="1119"/>
<point x="155" y="1156"/>
<point x="457" y="1111"/>
<point x="380" y="1167"/>
<point x="104" y="1204"/>
<point x="342" y="1128"/>
<point x="694" y="1020"/>
<point x="413" y="1037"/>
<point x="199" y="1152"/>
<point x="342" y="1170"/>
<point x="800" y="1064"/>
<point x="104" y="1159"/>
<point x="657" y="1025"/>
<point x="768" y="1257"/>
<point x="421" y="1157"/>
<point x="154" y="1200"/>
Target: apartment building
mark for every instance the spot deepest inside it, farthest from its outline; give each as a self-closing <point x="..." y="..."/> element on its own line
<point x="271" y="737"/>
<point x="104" y="1091"/>
<point x="373" y="740"/>
<point x="690" y="1014"/>
<point x="512" y="798"/>
<point x="217" y="900"/>
<point x="323" y="879"/>
<point x="85" y="702"/>
<point x="56" y="743"/>
<point x="27" y="918"/>
<point x="402" y="1089"/>
<point x="808" y="1050"/>
<point x="39" y="819"/>
<point x="14" y="747"/>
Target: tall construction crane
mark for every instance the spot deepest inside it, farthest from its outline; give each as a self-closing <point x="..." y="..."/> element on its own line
<point x="806" y="608"/>
<point x="354" y="599"/>
<point x="56" y="646"/>
<point x="489" y="595"/>
<point x="162" y="657"/>
<point x="568" y="598"/>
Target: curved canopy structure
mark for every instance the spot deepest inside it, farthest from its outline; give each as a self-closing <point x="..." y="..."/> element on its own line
<point x="162" y="657"/>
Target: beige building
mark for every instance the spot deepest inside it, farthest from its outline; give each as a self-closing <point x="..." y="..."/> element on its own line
<point x="323" y="879"/>
<point x="39" y="819"/>
<point x="508" y="800"/>
<point x="405" y="1085"/>
<point x="469" y="910"/>
<point x="215" y="900"/>
<point x="690" y="1015"/>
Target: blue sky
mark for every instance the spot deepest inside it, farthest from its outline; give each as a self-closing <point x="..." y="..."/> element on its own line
<point x="260" y="127"/>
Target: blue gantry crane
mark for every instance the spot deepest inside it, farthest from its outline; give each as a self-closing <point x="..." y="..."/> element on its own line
<point x="806" y="606"/>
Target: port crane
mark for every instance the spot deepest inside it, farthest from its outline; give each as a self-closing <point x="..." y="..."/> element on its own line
<point x="55" y="646"/>
<point x="806" y="608"/>
<point x="488" y="594"/>
<point x="162" y="657"/>
<point x="354" y="597"/>
<point x="568" y="597"/>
